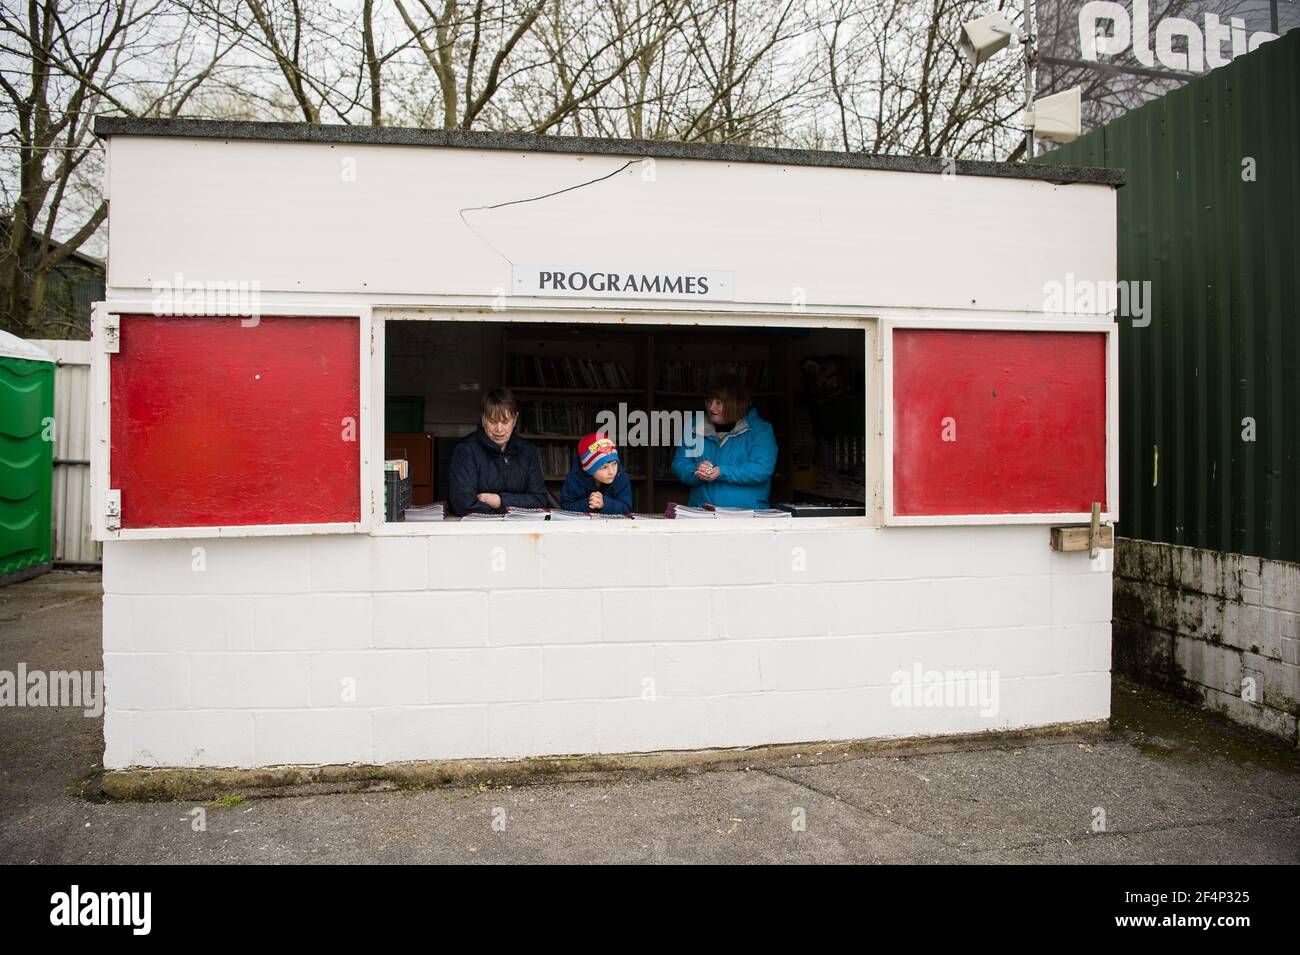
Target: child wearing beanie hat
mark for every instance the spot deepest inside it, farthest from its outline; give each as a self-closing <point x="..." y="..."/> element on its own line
<point x="596" y="481"/>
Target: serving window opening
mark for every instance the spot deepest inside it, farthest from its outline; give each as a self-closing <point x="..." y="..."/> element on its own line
<point x="781" y="409"/>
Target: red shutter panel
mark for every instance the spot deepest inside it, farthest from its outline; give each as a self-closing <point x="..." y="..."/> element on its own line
<point x="994" y="422"/>
<point x="235" y="422"/>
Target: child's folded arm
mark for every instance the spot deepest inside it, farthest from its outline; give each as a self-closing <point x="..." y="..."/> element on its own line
<point x="573" y="496"/>
<point x="618" y="496"/>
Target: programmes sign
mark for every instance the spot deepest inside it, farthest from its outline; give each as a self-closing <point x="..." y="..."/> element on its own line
<point x="607" y="281"/>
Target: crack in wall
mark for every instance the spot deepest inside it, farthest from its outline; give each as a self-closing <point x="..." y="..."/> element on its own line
<point x="548" y="195"/>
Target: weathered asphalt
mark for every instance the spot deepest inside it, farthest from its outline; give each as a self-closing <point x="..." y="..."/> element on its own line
<point x="1176" y="785"/>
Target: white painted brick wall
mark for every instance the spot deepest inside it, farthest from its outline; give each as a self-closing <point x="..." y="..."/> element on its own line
<point x="430" y="619"/>
<point x="190" y="738"/>
<point x="286" y="737"/>
<point x="412" y="732"/>
<point x="311" y="622"/>
<point x="248" y="680"/>
<point x="337" y="649"/>
<point x="360" y="679"/>
<point x="543" y="617"/>
<point x="147" y="681"/>
<point x="610" y="672"/>
<point x="485" y="675"/>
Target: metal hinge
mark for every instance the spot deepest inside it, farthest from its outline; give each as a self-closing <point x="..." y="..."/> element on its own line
<point x="111" y="326"/>
<point x="113" y="510"/>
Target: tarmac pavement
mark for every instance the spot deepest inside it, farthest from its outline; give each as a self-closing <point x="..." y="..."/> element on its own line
<point x="1175" y="784"/>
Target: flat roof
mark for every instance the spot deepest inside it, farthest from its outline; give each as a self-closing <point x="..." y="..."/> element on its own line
<point x="107" y="126"/>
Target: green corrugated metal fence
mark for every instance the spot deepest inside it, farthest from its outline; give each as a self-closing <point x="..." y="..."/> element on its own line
<point x="1222" y="349"/>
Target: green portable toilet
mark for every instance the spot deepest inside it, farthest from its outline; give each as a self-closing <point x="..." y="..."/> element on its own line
<point x="26" y="458"/>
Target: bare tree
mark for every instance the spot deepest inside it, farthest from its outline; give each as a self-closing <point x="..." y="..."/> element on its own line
<point x="63" y="62"/>
<point x="877" y="76"/>
<point x="897" y="82"/>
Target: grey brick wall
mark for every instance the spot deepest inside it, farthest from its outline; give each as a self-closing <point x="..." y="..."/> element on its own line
<point x="1221" y="630"/>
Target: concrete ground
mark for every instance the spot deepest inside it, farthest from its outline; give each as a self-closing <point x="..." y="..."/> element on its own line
<point x="1175" y="784"/>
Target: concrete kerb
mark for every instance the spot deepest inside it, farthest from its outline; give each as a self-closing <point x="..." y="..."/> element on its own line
<point x="147" y="784"/>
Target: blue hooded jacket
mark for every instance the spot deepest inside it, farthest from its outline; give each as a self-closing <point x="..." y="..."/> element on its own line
<point x="746" y="456"/>
<point x="578" y="485"/>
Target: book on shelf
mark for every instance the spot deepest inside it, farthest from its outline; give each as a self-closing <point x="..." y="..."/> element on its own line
<point x="684" y="375"/>
<point x="663" y="462"/>
<point x="565" y="371"/>
<point x="477" y="516"/>
<point x="559" y="417"/>
<point x="556" y="459"/>
<point x="557" y="514"/>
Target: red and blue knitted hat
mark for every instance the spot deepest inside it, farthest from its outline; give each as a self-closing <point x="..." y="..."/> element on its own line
<point x="595" y="451"/>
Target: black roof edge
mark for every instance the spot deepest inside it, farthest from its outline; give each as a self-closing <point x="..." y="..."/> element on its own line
<point x="106" y="126"/>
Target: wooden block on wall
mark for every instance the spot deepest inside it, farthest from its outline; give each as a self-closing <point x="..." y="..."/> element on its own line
<point x="1076" y="538"/>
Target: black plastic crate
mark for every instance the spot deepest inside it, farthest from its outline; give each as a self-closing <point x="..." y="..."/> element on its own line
<point x="397" y="496"/>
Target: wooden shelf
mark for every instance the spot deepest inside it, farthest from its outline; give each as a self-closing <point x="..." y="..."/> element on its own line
<point x="658" y="393"/>
<point x="587" y="392"/>
<point x="639" y="352"/>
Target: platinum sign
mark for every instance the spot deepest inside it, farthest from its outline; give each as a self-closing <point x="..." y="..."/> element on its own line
<point x="1107" y="29"/>
<point x="1122" y="53"/>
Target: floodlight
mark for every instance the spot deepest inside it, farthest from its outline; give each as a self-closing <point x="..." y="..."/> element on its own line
<point x="984" y="36"/>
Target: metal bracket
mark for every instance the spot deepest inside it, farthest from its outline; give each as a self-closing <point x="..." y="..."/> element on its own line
<point x="111" y="326"/>
<point x="113" y="510"/>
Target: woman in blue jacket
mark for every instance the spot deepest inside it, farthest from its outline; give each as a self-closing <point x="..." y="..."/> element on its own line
<point x="729" y="459"/>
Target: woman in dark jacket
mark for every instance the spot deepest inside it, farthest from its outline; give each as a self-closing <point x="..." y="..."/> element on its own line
<point x="493" y="469"/>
